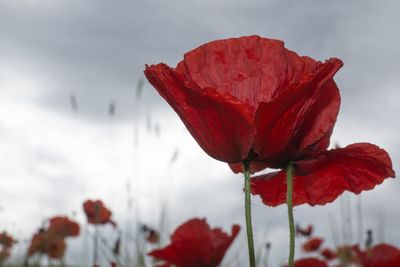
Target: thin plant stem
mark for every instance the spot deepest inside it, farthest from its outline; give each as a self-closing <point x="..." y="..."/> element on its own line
<point x="289" y="201"/>
<point x="249" y="227"/>
<point x="95" y="244"/>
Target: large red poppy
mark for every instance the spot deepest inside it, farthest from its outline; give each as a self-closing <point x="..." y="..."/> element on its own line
<point x="251" y="99"/>
<point x="379" y="256"/>
<point x="97" y="213"/>
<point x="63" y="227"/>
<point x="195" y="244"/>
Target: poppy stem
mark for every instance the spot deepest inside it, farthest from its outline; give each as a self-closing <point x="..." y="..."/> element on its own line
<point x="249" y="227"/>
<point x="289" y="201"/>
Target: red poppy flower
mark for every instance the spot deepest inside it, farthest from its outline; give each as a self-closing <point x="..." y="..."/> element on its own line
<point x="310" y="262"/>
<point x="321" y="179"/>
<point x="250" y="98"/>
<point x="328" y="254"/>
<point x="6" y="243"/>
<point x="63" y="227"/>
<point x="379" y="256"/>
<point x="195" y="244"/>
<point x="97" y="213"/>
<point x="312" y="244"/>
<point x="46" y="243"/>
<point x="304" y="231"/>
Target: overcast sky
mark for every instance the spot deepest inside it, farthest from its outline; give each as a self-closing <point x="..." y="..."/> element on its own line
<point x="53" y="157"/>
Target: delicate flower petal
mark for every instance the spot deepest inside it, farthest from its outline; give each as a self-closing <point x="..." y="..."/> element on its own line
<point x="195" y="244"/>
<point x="321" y="180"/>
<point x="251" y="68"/>
<point x="279" y="121"/>
<point x="220" y="123"/>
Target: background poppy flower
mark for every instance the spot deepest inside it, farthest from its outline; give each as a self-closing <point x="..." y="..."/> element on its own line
<point x="321" y="179"/>
<point x="310" y="262"/>
<point x="379" y="256"/>
<point x="328" y="254"/>
<point x="250" y="98"/>
<point x="312" y="244"/>
<point x="97" y="213"/>
<point x="44" y="242"/>
<point x="63" y="227"/>
<point x="195" y="244"/>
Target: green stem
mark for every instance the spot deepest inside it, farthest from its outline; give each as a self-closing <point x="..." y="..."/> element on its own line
<point x="289" y="201"/>
<point x="249" y="227"/>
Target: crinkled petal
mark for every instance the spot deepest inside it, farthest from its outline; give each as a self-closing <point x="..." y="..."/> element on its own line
<point x="278" y="122"/>
<point x="251" y="68"/>
<point x="321" y="180"/>
<point x="220" y="123"/>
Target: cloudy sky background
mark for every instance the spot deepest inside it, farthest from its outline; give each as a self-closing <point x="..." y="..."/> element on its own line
<point x="53" y="157"/>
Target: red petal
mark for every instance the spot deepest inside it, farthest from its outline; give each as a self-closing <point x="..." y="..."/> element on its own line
<point x="312" y="244"/>
<point x="221" y="124"/>
<point x="321" y="180"/>
<point x="310" y="262"/>
<point x="379" y="256"/>
<point x="251" y="68"/>
<point x="279" y="121"/>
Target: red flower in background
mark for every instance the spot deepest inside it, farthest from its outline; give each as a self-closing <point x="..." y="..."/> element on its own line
<point x="310" y="262"/>
<point x="63" y="227"/>
<point x="328" y="254"/>
<point x="312" y="244"/>
<point x="47" y="243"/>
<point x="381" y="255"/>
<point x="97" y="213"/>
<point x="195" y="244"/>
<point x="6" y="244"/>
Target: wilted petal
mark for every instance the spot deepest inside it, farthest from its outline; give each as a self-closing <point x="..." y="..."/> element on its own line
<point x="310" y="262"/>
<point x="355" y="168"/>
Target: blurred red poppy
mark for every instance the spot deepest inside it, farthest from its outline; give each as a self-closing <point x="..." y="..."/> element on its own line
<point x="310" y="262"/>
<point x="382" y="255"/>
<point x="328" y="254"/>
<point x="44" y="242"/>
<point x="251" y="99"/>
<point x="6" y="244"/>
<point x="312" y="244"/>
<point x="321" y="179"/>
<point x="195" y="244"/>
<point x="307" y="231"/>
<point x="63" y="227"/>
<point x="97" y="213"/>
